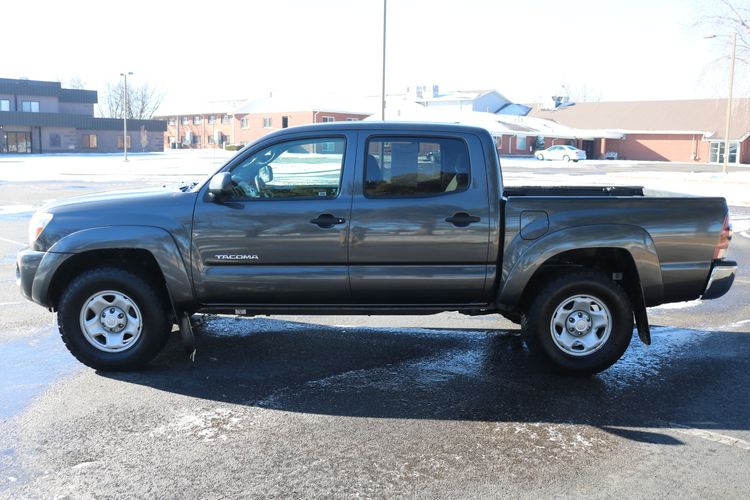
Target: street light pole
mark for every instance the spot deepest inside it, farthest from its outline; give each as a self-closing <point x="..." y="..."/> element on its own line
<point x="382" y="89"/>
<point x="125" y="117"/>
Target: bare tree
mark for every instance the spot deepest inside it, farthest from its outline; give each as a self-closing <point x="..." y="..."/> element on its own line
<point x="143" y="101"/>
<point x="729" y="16"/>
<point x="76" y="82"/>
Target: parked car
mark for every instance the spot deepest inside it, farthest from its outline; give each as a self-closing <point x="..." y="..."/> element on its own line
<point x="344" y="219"/>
<point x="565" y="153"/>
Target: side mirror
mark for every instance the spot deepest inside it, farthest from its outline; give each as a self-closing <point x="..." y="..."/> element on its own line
<point x="219" y="185"/>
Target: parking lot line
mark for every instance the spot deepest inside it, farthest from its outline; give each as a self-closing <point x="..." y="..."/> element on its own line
<point x="712" y="436"/>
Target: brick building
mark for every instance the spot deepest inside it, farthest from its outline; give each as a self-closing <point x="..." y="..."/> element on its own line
<point x="679" y="130"/>
<point x="239" y="123"/>
<point x="43" y="117"/>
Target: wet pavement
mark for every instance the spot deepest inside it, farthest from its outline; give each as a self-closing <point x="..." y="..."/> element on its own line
<point x="439" y="406"/>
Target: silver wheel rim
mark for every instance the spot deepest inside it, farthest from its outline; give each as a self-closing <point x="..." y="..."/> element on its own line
<point x="111" y="321"/>
<point x="581" y="325"/>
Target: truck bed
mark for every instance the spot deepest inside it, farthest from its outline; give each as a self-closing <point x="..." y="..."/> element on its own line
<point x="573" y="191"/>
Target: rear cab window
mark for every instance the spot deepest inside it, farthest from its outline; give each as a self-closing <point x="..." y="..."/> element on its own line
<point x="415" y="167"/>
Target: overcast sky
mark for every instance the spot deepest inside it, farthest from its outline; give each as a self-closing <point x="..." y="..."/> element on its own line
<point x="201" y="51"/>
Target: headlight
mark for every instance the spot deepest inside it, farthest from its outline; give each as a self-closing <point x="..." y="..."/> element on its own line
<point x="38" y="222"/>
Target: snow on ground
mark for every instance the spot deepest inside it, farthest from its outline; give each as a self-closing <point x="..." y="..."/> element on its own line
<point x="172" y="165"/>
<point x="734" y="186"/>
<point x="178" y="166"/>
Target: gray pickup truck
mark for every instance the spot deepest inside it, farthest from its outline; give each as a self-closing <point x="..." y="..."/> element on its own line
<point x="372" y="218"/>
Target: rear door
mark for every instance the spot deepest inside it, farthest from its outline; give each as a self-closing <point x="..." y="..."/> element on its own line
<point x="281" y="238"/>
<point x="420" y="220"/>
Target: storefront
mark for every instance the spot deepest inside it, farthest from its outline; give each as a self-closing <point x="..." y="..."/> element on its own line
<point x="15" y="142"/>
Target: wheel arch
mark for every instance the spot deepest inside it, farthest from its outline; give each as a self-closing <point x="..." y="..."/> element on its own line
<point x="610" y="248"/>
<point x="145" y="250"/>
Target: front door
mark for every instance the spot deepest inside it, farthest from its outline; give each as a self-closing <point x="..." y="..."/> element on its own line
<point x="281" y="237"/>
<point x="420" y="221"/>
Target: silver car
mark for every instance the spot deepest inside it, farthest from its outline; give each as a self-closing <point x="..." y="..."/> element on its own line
<point x="566" y="153"/>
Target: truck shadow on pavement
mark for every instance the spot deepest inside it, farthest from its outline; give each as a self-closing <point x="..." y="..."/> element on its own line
<point x="687" y="378"/>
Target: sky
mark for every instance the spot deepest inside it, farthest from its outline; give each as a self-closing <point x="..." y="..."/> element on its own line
<point x="196" y="52"/>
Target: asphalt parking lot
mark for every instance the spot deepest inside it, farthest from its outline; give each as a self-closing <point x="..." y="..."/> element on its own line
<point x="438" y="406"/>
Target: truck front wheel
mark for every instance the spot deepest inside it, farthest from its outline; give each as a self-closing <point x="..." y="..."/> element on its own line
<point x="581" y="322"/>
<point x="112" y="319"/>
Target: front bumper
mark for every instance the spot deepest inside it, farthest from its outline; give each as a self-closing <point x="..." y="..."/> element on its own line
<point x="27" y="264"/>
<point x="720" y="280"/>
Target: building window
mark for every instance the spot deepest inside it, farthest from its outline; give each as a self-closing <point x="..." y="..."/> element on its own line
<point x="284" y="122"/>
<point x="197" y="119"/>
<point x="226" y="120"/>
<point x="267" y="122"/>
<point x="196" y="140"/>
<point x="499" y="142"/>
<point x="119" y="142"/>
<point x="212" y="119"/>
<point x="245" y="123"/>
<point x="328" y="119"/>
<point x="15" y="142"/>
<point x="172" y="139"/>
<point x="717" y="151"/>
<point x="54" y="140"/>
<point x="172" y="122"/>
<point x="353" y="119"/>
<point x="413" y="167"/>
<point x="211" y="139"/>
<point x="30" y="106"/>
<point x="185" y="120"/>
<point x="521" y="143"/>
<point x="88" y="141"/>
<point x="4" y="105"/>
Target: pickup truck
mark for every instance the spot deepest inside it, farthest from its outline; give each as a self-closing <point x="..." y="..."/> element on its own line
<point x="372" y="218"/>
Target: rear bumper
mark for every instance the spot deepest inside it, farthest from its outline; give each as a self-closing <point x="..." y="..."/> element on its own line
<point x="720" y="280"/>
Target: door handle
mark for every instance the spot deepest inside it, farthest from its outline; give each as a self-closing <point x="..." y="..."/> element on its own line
<point x="462" y="219"/>
<point x="327" y="221"/>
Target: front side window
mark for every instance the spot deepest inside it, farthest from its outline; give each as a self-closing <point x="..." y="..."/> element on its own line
<point x="304" y="169"/>
<point x="413" y="167"/>
<point x="4" y="105"/>
<point x="30" y="106"/>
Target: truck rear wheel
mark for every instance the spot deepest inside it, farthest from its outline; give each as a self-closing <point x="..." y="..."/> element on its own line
<point x="112" y="319"/>
<point x="581" y="322"/>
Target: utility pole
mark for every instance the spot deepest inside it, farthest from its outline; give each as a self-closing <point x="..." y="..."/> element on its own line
<point x="382" y="89"/>
<point x="729" y="103"/>
<point x="125" y="117"/>
<point x="733" y="36"/>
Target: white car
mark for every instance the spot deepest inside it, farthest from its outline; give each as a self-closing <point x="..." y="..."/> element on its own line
<point x="566" y="153"/>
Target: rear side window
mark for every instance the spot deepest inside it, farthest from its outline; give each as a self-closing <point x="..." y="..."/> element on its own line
<point x="412" y="167"/>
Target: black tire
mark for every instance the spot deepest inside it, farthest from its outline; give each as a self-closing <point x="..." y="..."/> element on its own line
<point x="153" y="318"/>
<point x="540" y="157"/>
<point x="537" y="323"/>
<point x="566" y="158"/>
